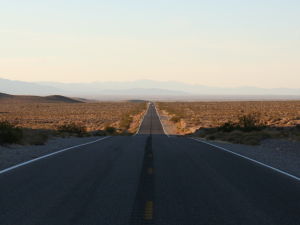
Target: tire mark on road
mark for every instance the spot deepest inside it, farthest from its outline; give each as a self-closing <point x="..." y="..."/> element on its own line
<point x="144" y="203"/>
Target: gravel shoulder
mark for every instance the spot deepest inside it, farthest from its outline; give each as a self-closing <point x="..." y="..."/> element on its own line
<point x="169" y="126"/>
<point x="281" y="154"/>
<point x="14" y="154"/>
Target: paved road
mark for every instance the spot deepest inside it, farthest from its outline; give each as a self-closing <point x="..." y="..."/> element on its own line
<point x="149" y="179"/>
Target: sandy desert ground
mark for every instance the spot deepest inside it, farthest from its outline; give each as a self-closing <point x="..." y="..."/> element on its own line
<point x="94" y="116"/>
<point x="190" y="116"/>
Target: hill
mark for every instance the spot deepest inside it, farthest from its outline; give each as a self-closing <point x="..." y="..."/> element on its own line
<point x="6" y="98"/>
<point x="28" y="88"/>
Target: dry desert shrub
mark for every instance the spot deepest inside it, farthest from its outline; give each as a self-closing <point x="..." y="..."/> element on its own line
<point x="213" y="114"/>
<point x="53" y="116"/>
<point x="9" y="133"/>
<point x="12" y="134"/>
<point x="236" y="122"/>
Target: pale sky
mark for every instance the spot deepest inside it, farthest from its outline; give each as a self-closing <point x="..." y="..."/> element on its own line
<point x="212" y="42"/>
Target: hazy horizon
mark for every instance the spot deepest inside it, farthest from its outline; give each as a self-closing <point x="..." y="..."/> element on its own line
<point x="136" y="80"/>
<point x="216" y="43"/>
<point x="144" y="89"/>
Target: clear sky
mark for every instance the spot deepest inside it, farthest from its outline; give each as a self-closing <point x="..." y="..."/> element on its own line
<point x="213" y="42"/>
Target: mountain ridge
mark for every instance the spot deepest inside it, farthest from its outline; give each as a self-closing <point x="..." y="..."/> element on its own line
<point x="138" y="87"/>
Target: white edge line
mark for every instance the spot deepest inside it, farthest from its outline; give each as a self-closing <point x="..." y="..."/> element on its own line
<point x="252" y="160"/>
<point x="138" y="130"/>
<point x="160" y="121"/>
<point x="48" y="155"/>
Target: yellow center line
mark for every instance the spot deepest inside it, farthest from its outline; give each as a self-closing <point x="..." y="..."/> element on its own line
<point x="148" y="210"/>
<point x="150" y="171"/>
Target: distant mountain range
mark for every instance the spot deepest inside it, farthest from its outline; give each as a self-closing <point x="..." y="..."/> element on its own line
<point x="6" y="98"/>
<point x="133" y="88"/>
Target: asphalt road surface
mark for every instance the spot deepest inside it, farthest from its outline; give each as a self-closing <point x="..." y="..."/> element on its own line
<point x="148" y="178"/>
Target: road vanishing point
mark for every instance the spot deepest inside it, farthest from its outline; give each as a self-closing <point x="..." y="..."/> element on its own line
<point x="146" y="179"/>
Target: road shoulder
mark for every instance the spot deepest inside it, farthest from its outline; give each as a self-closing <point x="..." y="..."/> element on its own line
<point x="15" y="154"/>
<point x="280" y="154"/>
